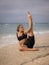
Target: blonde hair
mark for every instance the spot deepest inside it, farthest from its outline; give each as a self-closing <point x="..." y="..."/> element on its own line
<point x="18" y="28"/>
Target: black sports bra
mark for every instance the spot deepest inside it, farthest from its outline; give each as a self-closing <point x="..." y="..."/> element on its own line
<point x="22" y="37"/>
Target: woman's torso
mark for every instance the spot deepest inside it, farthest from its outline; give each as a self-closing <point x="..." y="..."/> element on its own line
<point x="23" y="36"/>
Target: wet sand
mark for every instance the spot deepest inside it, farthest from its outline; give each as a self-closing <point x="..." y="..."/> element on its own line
<point x="10" y="55"/>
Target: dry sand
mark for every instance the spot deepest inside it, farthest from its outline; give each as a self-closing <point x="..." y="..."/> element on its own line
<point x="10" y="55"/>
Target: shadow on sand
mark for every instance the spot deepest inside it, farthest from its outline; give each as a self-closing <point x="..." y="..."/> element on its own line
<point x="42" y="46"/>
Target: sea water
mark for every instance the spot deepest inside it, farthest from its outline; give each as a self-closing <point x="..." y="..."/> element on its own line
<point x="8" y="32"/>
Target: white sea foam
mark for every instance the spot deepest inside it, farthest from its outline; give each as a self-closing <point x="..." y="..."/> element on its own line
<point x="12" y="39"/>
<point x="9" y="39"/>
<point x="6" y="24"/>
<point x="41" y="32"/>
<point x="8" y="36"/>
<point x="15" y="37"/>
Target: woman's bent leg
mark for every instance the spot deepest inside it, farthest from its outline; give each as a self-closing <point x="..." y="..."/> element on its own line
<point x="25" y="48"/>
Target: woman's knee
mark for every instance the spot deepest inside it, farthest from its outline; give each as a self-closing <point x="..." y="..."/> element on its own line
<point x="31" y="34"/>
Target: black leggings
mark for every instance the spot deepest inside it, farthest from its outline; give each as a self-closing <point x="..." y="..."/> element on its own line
<point x="30" y="42"/>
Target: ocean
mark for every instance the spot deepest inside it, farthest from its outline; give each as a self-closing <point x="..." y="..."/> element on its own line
<point x="8" y="32"/>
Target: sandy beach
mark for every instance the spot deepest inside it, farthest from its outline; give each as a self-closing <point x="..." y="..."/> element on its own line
<point x="10" y="55"/>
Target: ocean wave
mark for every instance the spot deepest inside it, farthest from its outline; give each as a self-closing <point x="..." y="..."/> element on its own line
<point x="8" y="39"/>
<point x="15" y="37"/>
<point x="8" y="36"/>
<point x="12" y="38"/>
<point x="6" y="24"/>
<point x="41" y="32"/>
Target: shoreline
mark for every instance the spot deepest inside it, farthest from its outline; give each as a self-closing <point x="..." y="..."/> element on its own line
<point x="12" y="39"/>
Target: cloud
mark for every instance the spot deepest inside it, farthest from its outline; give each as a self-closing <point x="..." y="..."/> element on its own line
<point x="38" y="8"/>
<point x="16" y="6"/>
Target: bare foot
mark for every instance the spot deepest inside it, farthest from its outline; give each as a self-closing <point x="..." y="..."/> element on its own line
<point x="35" y="49"/>
<point x="28" y="14"/>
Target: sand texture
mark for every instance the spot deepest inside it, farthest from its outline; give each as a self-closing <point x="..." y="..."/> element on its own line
<point x="10" y="55"/>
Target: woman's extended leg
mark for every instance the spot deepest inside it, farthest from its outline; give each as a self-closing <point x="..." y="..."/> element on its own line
<point x="30" y="28"/>
<point x="30" y="22"/>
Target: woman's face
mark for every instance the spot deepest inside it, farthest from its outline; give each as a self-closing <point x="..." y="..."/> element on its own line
<point x="21" y="29"/>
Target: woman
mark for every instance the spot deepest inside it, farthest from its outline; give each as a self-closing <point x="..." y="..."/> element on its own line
<point x="24" y="42"/>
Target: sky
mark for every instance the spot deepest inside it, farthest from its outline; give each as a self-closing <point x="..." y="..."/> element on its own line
<point x="14" y="11"/>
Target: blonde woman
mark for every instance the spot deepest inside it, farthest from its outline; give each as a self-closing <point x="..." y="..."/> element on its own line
<point x="26" y="44"/>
